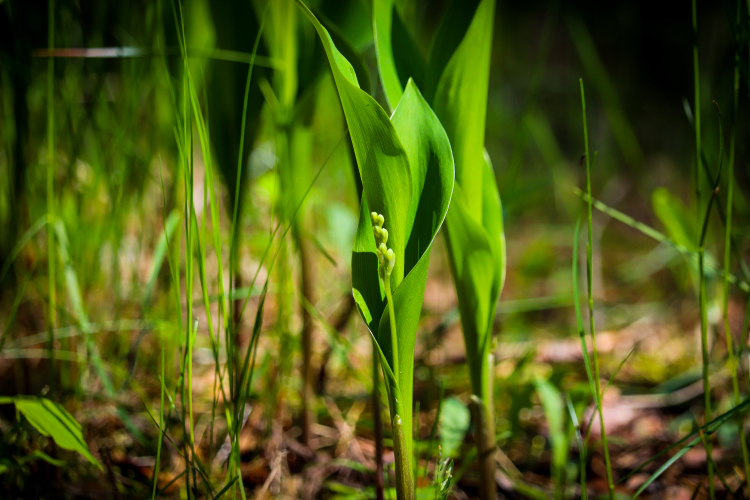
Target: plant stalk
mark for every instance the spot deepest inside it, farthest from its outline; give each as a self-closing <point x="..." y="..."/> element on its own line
<point x="404" y="481"/>
<point x="590" y="286"/>
<point x="401" y="439"/>
<point x="484" y="432"/>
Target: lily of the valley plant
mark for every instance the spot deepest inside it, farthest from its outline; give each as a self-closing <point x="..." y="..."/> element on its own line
<point x="407" y="171"/>
<point x="456" y="79"/>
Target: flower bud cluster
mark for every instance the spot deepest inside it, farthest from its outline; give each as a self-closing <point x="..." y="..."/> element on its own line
<point x="386" y="256"/>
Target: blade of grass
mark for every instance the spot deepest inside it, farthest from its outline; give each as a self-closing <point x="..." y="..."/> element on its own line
<point x="581" y="446"/>
<point x="590" y="286"/>
<point x="718" y="472"/>
<point x="660" y="237"/>
<point x="703" y="301"/>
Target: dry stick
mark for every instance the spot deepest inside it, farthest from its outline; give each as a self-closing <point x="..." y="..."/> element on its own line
<point x="590" y="285"/>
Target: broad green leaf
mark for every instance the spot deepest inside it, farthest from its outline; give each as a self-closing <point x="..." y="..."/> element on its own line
<point x="676" y="218"/>
<point x="382" y="17"/>
<point x="52" y="420"/>
<point x="452" y="30"/>
<point x="454" y="423"/>
<point x="474" y="225"/>
<point x="397" y="54"/>
<point x="382" y="161"/>
<point x="461" y="103"/>
<point x="429" y="154"/>
<point x="492" y="221"/>
<point x="474" y="271"/>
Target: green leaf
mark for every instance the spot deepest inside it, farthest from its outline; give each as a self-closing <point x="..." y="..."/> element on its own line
<point x="52" y="420"/>
<point x="382" y="20"/>
<point x="461" y="103"/>
<point x="492" y="221"/>
<point x="397" y="54"/>
<point x="40" y="455"/>
<point x="382" y="161"/>
<point x="460" y="60"/>
<point x="454" y="423"/>
<point x="429" y="154"/>
<point x="473" y="266"/>
<point x="450" y="34"/>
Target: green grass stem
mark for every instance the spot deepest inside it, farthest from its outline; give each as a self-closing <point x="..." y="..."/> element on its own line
<point x="703" y="302"/>
<point x="590" y="286"/>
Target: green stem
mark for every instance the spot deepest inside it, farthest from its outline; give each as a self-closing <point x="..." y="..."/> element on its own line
<point x="401" y="439"/>
<point x="404" y="482"/>
<point x="392" y="318"/>
<point x="484" y="433"/>
<point x="590" y="285"/>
